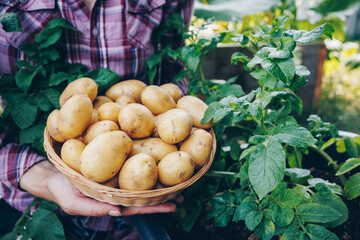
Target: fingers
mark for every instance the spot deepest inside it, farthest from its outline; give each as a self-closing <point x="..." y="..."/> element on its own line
<point x="159" y="208"/>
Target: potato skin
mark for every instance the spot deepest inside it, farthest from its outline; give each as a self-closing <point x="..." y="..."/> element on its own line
<point x="139" y="172"/>
<point x="103" y="157"/>
<point x="173" y="90"/>
<point x="112" y="182"/>
<point x="94" y="117"/>
<point x="100" y="100"/>
<point x="109" y="111"/>
<point x="174" y="125"/>
<point x="196" y="108"/>
<point x="75" y="116"/>
<point x="157" y="100"/>
<point x="98" y="128"/>
<point x="52" y="125"/>
<point x="136" y="120"/>
<point x="70" y="153"/>
<point x="198" y="145"/>
<point x="84" y="86"/>
<point x="133" y="87"/>
<point x="125" y="99"/>
<point x="155" y="147"/>
<point x="175" y="168"/>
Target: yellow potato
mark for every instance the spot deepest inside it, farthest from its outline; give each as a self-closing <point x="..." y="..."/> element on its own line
<point x="84" y="86"/>
<point x="109" y="111"/>
<point x="52" y="125"/>
<point x="75" y="116"/>
<point x="125" y="99"/>
<point x="138" y="173"/>
<point x="196" y="107"/>
<point x="70" y="153"/>
<point x="132" y="87"/>
<point x="174" y="125"/>
<point x="99" y="128"/>
<point x="100" y="100"/>
<point x="136" y="120"/>
<point x="198" y="145"/>
<point x="94" y="117"/>
<point x="175" y="168"/>
<point x="103" y="157"/>
<point x="173" y="90"/>
<point x="112" y="182"/>
<point x="155" y="147"/>
<point x="157" y="100"/>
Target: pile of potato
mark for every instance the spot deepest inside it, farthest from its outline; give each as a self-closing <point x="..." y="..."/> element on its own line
<point x="136" y="137"/>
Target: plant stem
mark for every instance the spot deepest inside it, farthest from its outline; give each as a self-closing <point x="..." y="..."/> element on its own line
<point x="330" y="161"/>
<point x="219" y="174"/>
<point x="298" y="157"/>
<point x="202" y="73"/>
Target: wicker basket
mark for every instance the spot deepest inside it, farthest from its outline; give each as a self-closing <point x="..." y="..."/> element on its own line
<point x="120" y="196"/>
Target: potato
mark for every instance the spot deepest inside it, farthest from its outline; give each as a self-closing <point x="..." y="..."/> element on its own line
<point x="100" y="100"/>
<point x="70" y="153"/>
<point x="132" y="87"/>
<point x="198" y="145"/>
<point x="52" y="125"/>
<point x="99" y="128"/>
<point x="196" y="107"/>
<point x="94" y="117"/>
<point x="109" y="111"/>
<point x="112" y="182"/>
<point x="125" y="99"/>
<point x="173" y="90"/>
<point x="103" y="157"/>
<point x="175" y="168"/>
<point x="157" y="100"/>
<point x="155" y="147"/>
<point x="138" y="173"/>
<point x="75" y="116"/>
<point x="174" y="125"/>
<point x="84" y="86"/>
<point x="136" y="120"/>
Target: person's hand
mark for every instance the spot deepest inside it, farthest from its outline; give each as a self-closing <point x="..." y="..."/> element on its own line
<point x="45" y="181"/>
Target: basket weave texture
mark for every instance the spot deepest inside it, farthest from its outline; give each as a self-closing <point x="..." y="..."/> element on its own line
<point x="119" y="196"/>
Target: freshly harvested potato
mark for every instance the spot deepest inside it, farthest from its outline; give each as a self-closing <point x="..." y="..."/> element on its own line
<point x="100" y="100"/>
<point x="109" y="111"/>
<point x="132" y="87"/>
<point x="98" y="128"/>
<point x="175" y="168"/>
<point x="174" y="125"/>
<point x="138" y="173"/>
<point x="198" y="145"/>
<point x="103" y="157"/>
<point x="155" y="147"/>
<point x="75" y="116"/>
<point x="125" y="99"/>
<point x="52" y="125"/>
<point x="70" y="153"/>
<point x="94" y="117"/>
<point x="112" y="182"/>
<point x="84" y="86"/>
<point x="136" y="120"/>
<point x="157" y="100"/>
<point x="196" y="107"/>
<point x="173" y="90"/>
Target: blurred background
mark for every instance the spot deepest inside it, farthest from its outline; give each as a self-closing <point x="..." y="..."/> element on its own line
<point x="333" y="88"/>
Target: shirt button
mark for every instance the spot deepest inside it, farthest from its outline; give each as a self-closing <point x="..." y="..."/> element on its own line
<point x="95" y="32"/>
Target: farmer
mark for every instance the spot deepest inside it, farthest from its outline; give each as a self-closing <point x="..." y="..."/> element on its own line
<point x="114" y="35"/>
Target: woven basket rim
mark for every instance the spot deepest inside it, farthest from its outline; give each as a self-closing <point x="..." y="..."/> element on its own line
<point x="102" y="189"/>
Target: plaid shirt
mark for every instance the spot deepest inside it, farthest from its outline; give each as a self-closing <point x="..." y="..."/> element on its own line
<point x="116" y="35"/>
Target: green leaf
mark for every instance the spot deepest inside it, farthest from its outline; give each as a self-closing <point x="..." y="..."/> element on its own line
<point x="246" y="152"/>
<point x="282" y="69"/>
<point x="253" y="219"/>
<point x="42" y="102"/>
<point x="340" y="146"/>
<point x="210" y="111"/>
<point x="289" y="198"/>
<point x="287" y="43"/>
<point x="298" y="174"/>
<point x="10" y="236"/>
<point x="316" y="232"/>
<point x="29" y="49"/>
<point x="57" y="78"/>
<point x="240" y="195"/>
<point x="306" y="37"/>
<point x="242" y="210"/>
<point x="239" y="57"/>
<point x="50" y="53"/>
<point x="23" y="112"/>
<point x="282" y="216"/>
<point x="257" y="139"/>
<point x="24" y="78"/>
<point x="241" y="38"/>
<point x="28" y="135"/>
<point x="53" y="95"/>
<point x="281" y="54"/>
<point x="352" y="186"/>
<point x="265" y="230"/>
<point x="190" y="57"/>
<point x="52" y="36"/>
<point x="349" y="165"/>
<point x="293" y="135"/>
<point x="233" y="89"/>
<point x="264" y="78"/>
<point x="267" y="167"/>
<point x="154" y="60"/>
<point x="334" y="188"/>
<point x="10" y="22"/>
<point x="224" y="218"/>
<point x="351" y="148"/>
<point x="317" y="213"/>
<point x="25" y="64"/>
<point x="104" y="78"/>
<point x="235" y="149"/>
<point x="292" y="232"/>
